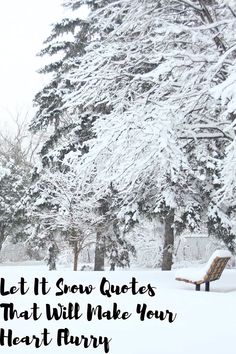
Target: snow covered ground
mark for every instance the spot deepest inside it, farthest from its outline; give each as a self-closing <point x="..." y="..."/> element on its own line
<point x="205" y="322"/>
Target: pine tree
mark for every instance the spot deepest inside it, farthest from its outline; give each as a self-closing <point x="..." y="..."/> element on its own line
<point x="62" y="134"/>
<point x="68" y="40"/>
<point x="70" y="130"/>
<point x="14" y="183"/>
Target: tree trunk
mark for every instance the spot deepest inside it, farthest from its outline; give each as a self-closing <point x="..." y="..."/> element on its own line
<point x="53" y="252"/>
<point x="2" y="235"/>
<point x="99" y="253"/>
<point x="167" y="257"/>
<point x="88" y="253"/>
<point x="76" y="255"/>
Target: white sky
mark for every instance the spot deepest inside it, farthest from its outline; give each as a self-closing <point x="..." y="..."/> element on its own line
<point x="24" y="25"/>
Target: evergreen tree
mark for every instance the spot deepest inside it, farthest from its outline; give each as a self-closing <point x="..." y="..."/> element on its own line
<point x="68" y="40"/>
<point x="70" y="130"/>
<point x="62" y="134"/>
<point x="14" y="184"/>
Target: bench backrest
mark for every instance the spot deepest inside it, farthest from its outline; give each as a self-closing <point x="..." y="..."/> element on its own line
<point x="216" y="268"/>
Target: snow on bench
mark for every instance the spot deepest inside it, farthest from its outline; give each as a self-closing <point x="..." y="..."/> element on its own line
<point x="210" y="272"/>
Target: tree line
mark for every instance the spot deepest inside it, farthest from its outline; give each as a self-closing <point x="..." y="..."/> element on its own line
<point x="137" y="120"/>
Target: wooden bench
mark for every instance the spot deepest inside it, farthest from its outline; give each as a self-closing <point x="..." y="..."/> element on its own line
<point x="212" y="271"/>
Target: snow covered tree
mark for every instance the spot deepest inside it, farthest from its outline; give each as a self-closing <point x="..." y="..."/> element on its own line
<point x="62" y="214"/>
<point x="111" y="242"/>
<point x="62" y="135"/>
<point x="148" y="74"/>
<point x="222" y="210"/>
<point x="65" y="45"/>
<point x="16" y="156"/>
<point x="69" y="131"/>
<point x="138" y="101"/>
<point x="4" y="173"/>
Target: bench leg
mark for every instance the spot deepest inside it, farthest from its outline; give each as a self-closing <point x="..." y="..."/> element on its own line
<point x="207" y="286"/>
<point x="198" y="287"/>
